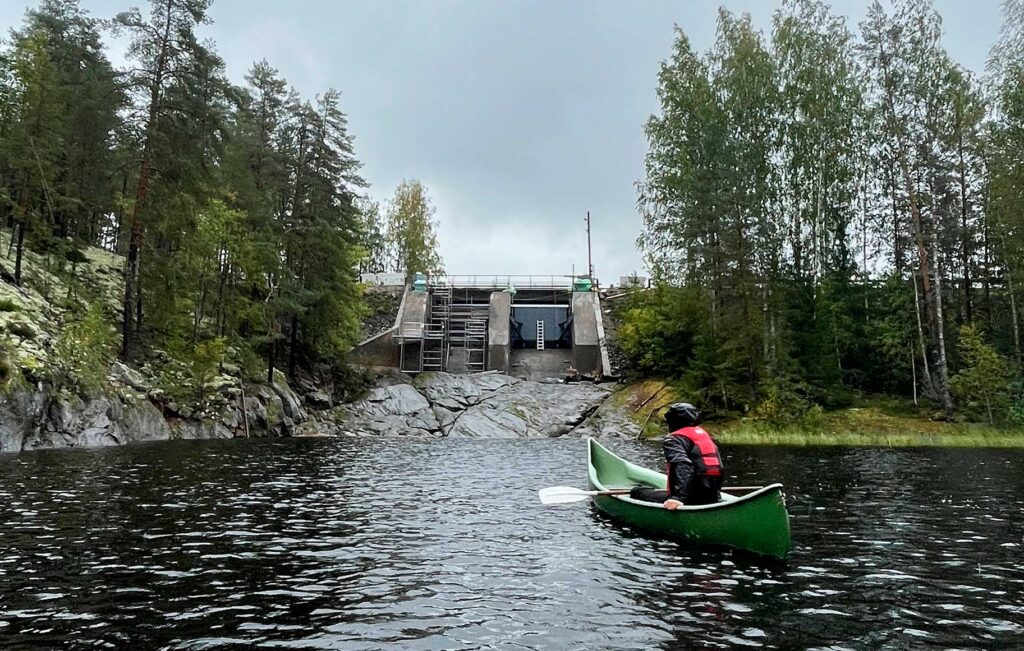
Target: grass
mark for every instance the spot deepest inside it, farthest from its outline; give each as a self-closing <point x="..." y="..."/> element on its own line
<point x="872" y="423"/>
<point x="875" y="421"/>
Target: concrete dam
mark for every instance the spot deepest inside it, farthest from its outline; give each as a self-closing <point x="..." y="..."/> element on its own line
<point x="532" y="327"/>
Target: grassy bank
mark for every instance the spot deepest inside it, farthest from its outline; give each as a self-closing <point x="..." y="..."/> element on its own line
<point x="873" y="422"/>
<point x="870" y="423"/>
<point x="845" y="430"/>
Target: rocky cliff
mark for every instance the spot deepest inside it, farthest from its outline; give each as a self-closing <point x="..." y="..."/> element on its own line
<point x="40" y="416"/>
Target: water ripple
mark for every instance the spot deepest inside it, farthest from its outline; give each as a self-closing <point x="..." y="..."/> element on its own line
<point x="368" y="543"/>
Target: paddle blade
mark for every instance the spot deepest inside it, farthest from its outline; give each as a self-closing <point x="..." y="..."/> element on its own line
<point x="563" y="495"/>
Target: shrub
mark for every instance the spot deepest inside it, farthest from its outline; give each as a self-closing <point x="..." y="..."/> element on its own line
<point x="982" y="384"/>
<point x="8" y="305"/>
<point x="351" y="382"/>
<point x="785" y="404"/>
<point x="84" y="349"/>
<point x="190" y="368"/>
<point x="1015" y="416"/>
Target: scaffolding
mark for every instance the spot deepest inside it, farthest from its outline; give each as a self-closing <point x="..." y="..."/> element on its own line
<point x="447" y="327"/>
<point x="476" y="345"/>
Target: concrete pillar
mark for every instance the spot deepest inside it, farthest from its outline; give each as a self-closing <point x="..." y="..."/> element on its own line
<point x="499" y="340"/>
<point x="586" y="340"/>
<point x="413" y="314"/>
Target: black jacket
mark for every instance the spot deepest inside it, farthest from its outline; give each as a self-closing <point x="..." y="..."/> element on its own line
<point x="690" y="481"/>
<point x="678" y="453"/>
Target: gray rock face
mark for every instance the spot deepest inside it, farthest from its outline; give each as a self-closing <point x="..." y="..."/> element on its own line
<point x="472" y="406"/>
<point x="38" y="418"/>
<point x="21" y="412"/>
<point x="128" y="377"/>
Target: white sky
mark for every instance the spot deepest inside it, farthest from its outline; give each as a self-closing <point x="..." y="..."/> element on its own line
<point x="518" y="115"/>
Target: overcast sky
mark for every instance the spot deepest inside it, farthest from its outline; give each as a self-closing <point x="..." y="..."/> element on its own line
<point x="519" y="116"/>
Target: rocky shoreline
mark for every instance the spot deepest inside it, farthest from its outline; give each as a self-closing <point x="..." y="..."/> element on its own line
<point x="486" y="405"/>
<point x="432" y="405"/>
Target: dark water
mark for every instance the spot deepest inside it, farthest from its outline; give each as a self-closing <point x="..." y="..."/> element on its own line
<point x="358" y="544"/>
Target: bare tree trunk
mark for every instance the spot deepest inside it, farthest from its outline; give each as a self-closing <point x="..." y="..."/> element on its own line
<point x="1011" y="290"/>
<point x="965" y="250"/>
<point x="987" y="280"/>
<point x="940" y="331"/>
<point x="271" y="350"/>
<point x="926" y="377"/>
<point x="913" y="370"/>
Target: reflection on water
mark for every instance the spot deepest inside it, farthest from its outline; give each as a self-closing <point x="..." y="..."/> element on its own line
<point x="371" y="543"/>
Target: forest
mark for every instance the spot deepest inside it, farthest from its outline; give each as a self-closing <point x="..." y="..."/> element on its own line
<point x="835" y="211"/>
<point x="239" y="209"/>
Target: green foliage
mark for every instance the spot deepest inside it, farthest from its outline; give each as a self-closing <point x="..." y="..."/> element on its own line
<point x="84" y="350"/>
<point x="1015" y="415"/>
<point x="657" y="330"/>
<point x="801" y="193"/>
<point x="351" y="382"/>
<point x="411" y="233"/>
<point x="786" y="406"/>
<point x="187" y="373"/>
<point x="982" y="385"/>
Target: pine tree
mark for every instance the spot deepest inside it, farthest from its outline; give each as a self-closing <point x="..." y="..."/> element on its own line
<point x="167" y="52"/>
<point x="35" y="138"/>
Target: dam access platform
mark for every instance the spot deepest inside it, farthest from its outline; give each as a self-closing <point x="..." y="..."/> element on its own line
<point x="534" y="327"/>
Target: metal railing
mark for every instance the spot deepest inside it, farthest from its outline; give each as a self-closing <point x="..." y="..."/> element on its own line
<point x="556" y="281"/>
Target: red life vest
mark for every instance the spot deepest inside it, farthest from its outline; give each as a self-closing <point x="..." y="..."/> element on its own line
<point x="708" y="463"/>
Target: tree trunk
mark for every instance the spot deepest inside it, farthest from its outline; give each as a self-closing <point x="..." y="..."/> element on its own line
<point x="913" y="370"/>
<point x="20" y="252"/>
<point x="926" y="376"/>
<point x="940" y="332"/>
<point x="932" y="296"/>
<point x="965" y="249"/>
<point x="1011" y="290"/>
<point x="293" y="357"/>
<point x="270" y="359"/>
<point x="986" y="282"/>
<point x="132" y="291"/>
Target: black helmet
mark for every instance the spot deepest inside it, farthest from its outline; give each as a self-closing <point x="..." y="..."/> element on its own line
<point x="680" y="415"/>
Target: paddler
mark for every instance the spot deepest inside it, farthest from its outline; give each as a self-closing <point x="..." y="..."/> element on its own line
<point x="694" y="464"/>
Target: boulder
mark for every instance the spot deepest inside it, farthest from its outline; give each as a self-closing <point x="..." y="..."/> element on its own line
<point x="399" y="399"/>
<point x="128" y="377"/>
<point x="486" y="422"/>
<point x="21" y="412"/>
<point x="319" y="400"/>
<point x="289" y="401"/>
<point x="233" y="370"/>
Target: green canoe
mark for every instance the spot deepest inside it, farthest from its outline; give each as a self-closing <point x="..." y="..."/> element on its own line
<point x="755" y="522"/>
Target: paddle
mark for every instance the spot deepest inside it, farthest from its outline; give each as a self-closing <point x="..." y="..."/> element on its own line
<point x="568" y="494"/>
